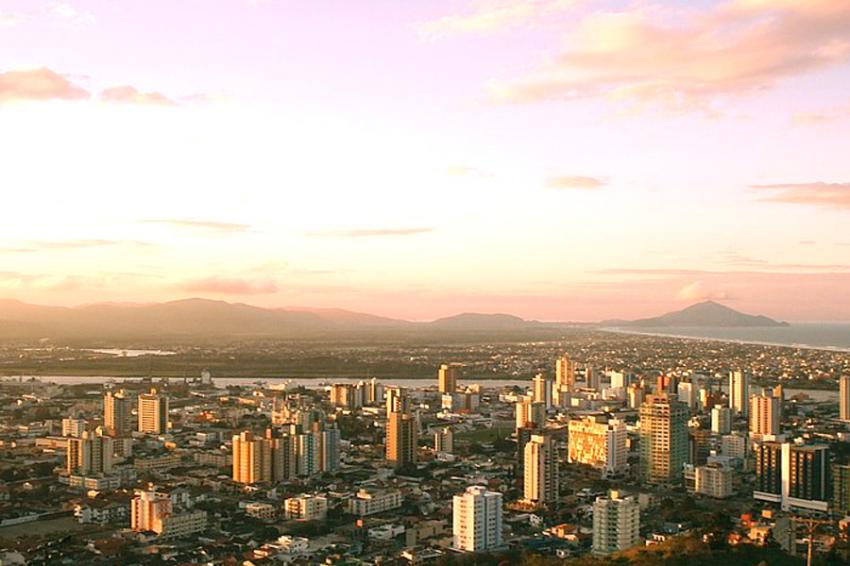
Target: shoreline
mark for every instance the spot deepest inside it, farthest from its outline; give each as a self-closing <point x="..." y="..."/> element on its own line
<point x="834" y="349"/>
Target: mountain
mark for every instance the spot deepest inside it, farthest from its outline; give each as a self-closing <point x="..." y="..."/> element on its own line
<point x="708" y="313"/>
<point x="207" y="319"/>
<point x="477" y="321"/>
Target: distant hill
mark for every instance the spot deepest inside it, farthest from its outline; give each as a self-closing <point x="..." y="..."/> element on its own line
<point x="477" y="321"/>
<point x="705" y="314"/>
<point x="204" y="318"/>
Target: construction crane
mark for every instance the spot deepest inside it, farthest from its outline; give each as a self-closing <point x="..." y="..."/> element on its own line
<point x="811" y="526"/>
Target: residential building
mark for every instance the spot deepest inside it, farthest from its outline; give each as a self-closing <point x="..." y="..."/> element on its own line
<point x="598" y="443"/>
<point x="721" y="420"/>
<point x="447" y="378"/>
<point x="90" y="454"/>
<point x="765" y="414"/>
<point x="369" y="501"/>
<point x="616" y="523"/>
<point x="477" y="520"/>
<point x="444" y="440"/>
<point x="541" y="470"/>
<point x="153" y="413"/>
<point x="116" y="413"/>
<point x="663" y="439"/>
<point x="739" y="393"/>
<point x="306" y="507"/>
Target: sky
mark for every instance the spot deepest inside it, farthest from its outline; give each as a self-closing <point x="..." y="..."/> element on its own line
<point x="553" y="159"/>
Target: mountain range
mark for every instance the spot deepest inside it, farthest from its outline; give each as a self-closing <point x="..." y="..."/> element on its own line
<point x="196" y="317"/>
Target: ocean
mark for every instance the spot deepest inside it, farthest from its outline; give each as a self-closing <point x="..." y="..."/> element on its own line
<point x="825" y="336"/>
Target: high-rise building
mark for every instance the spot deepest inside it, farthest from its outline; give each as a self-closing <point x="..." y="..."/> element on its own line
<point x="700" y="443"/>
<point x="793" y="475"/>
<point x="90" y="454"/>
<point x="529" y="413"/>
<point x="543" y="390"/>
<point x="565" y="380"/>
<point x="765" y="414"/>
<point x="601" y="444"/>
<point x="663" y="439"/>
<point x="739" y="393"/>
<point x="477" y="520"/>
<point x="844" y="398"/>
<point x="374" y="392"/>
<point x="591" y="378"/>
<point x="342" y="395"/>
<point x="541" y="470"/>
<point x="402" y="436"/>
<point x="616" y="523"/>
<point x="153" y="413"/>
<point x="734" y="446"/>
<point x="151" y="511"/>
<point x="841" y="489"/>
<point x="116" y="413"/>
<point x="688" y="394"/>
<point x="74" y="427"/>
<point x="636" y="395"/>
<point x="283" y="455"/>
<point x="328" y="449"/>
<point x="252" y="459"/>
<point x="447" y="378"/>
<point x="444" y="440"/>
<point x="714" y="481"/>
<point x="721" y="420"/>
<point x="148" y="509"/>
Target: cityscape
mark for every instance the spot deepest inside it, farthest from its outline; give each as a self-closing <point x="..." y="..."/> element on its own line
<point x="739" y="451"/>
<point x="424" y="283"/>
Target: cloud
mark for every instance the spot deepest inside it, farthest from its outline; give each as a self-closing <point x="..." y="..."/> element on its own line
<point x="825" y="116"/>
<point x="683" y="58"/>
<point x="131" y="95"/>
<point x="8" y="19"/>
<point x="230" y="286"/>
<point x="699" y="291"/>
<point x="208" y="225"/>
<point x="574" y="182"/>
<point x="493" y="16"/>
<point x="828" y="195"/>
<point x="69" y="16"/>
<point x="80" y="244"/>
<point x="38" y="84"/>
<point x="371" y="232"/>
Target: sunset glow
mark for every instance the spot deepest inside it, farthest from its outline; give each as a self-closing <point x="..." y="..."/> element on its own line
<point x="554" y="159"/>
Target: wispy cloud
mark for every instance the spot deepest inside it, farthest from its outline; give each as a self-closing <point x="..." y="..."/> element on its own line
<point x="682" y="59"/>
<point x="230" y="286"/>
<point x="371" y="232"/>
<point x="67" y="15"/>
<point x="827" y="195"/>
<point x="131" y="95"/>
<point x="701" y="291"/>
<point x="204" y="225"/>
<point x="575" y="182"/>
<point x="495" y="15"/>
<point x="39" y="85"/>
<point x="79" y="244"/>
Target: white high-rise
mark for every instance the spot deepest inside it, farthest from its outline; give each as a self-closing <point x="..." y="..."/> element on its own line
<point x="844" y="398"/>
<point x="765" y="414"/>
<point x="616" y="523"/>
<point x="543" y="390"/>
<point x="477" y="519"/>
<point x="721" y="420"/>
<point x="739" y="393"/>
<point x="541" y="470"/>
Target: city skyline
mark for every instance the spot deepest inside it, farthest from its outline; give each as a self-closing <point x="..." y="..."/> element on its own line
<point x="551" y="159"/>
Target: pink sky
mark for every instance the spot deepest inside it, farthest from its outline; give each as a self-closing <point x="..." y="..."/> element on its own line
<point x="555" y="159"/>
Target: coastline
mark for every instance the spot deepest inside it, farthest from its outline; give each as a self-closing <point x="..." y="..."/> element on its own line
<point x="617" y="330"/>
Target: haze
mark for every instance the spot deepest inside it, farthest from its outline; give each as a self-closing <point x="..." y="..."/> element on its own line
<point x="555" y="159"/>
